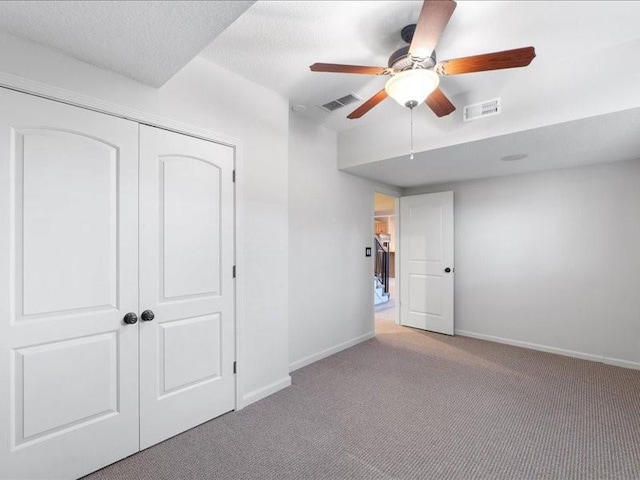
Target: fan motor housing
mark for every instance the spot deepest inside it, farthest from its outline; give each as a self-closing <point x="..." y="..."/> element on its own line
<point x="400" y="60"/>
<point x="407" y="32"/>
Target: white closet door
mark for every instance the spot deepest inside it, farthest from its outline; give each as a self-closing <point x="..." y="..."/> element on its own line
<point x="68" y="275"/>
<point x="186" y="261"/>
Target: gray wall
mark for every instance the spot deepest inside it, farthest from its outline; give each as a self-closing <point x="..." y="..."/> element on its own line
<point x="330" y="224"/>
<point x="551" y="259"/>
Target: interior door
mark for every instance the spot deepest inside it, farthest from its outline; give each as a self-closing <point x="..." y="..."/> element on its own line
<point x="426" y="262"/>
<point x="68" y="275"/>
<point x="186" y="280"/>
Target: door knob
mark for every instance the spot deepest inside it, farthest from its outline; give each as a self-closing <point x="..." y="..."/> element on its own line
<point x="447" y="270"/>
<point x="130" y="318"/>
<point x="147" y="316"/>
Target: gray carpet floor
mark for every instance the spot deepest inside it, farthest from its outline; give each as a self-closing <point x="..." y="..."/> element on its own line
<point x="415" y="405"/>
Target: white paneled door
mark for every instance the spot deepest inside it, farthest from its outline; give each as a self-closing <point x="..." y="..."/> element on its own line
<point x="68" y="275"/>
<point x="186" y="280"/>
<point x="426" y="262"/>
<point x="117" y="295"/>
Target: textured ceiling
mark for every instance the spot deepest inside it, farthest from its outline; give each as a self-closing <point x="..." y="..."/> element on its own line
<point x="559" y="110"/>
<point x="586" y="68"/>
<point x="146" y="41"/>
<point x="274" y="43"/>
<point x="604" y="138"/>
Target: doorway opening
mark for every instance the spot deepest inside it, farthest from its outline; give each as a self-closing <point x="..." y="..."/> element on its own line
<point x="385" y="288"/>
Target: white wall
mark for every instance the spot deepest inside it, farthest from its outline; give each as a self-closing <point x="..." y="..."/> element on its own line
<point x="330" y="224"/>
<point x="210" y="97"/>
<point x="551" y="259"/>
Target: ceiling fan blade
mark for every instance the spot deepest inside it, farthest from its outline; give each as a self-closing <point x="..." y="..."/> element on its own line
<point x="519" y="57"/>
<point x="368" y="105"/>
<point x="439" y="103"/>
<point x="337" y="68"/>
<point x="433" y="19"/>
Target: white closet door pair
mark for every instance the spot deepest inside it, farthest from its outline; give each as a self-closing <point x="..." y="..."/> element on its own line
<point x="101" y="217"/>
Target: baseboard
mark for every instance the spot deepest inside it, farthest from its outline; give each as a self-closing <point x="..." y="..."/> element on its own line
<point x="558" y="351"/>
<point x="303" y="362"/>
<point x="621" y="363"/>
<point x="265" y="391"/>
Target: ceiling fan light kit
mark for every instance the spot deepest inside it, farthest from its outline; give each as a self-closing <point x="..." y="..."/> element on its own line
<point x="412" y="87"/>
<point x="415" y="75"/>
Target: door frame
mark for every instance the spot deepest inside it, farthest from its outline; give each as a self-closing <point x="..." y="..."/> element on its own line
<point x="390" y="192"/>
<point x="31" y="87"/>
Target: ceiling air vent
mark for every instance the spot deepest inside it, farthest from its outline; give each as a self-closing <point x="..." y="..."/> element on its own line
<point x="341" y="102"/>
<point x="482" y="109"/>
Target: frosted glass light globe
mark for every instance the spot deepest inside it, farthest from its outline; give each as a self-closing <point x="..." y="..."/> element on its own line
<point x="412" y="87"/>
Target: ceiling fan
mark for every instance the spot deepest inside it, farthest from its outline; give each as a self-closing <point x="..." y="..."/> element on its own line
<point x="414" y="70"/>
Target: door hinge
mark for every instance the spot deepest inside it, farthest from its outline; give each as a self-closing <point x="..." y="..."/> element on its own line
<point x="234" y="271"/>
<point x="233" y="176"/>
<point x="235" y="369"/>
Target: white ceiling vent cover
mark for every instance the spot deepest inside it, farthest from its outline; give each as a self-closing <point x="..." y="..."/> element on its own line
<point x="482" y="109"/>
<point x="341" y="102"/>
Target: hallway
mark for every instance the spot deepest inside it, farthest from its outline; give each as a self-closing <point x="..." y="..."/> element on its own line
<point x="386" y="313"/>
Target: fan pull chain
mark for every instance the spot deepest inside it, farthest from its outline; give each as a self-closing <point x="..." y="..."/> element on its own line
<point x="411" y="149"/>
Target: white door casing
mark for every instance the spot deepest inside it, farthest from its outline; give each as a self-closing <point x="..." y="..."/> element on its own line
<point x="426" y="252"/>
<point x="68" y="274"/>
<point x="186" y="262"/>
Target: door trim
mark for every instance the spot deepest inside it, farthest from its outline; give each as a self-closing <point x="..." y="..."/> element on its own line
<point x="32" y="87"/>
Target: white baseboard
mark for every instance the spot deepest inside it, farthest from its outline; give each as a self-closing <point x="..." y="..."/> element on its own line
<point x="303" y="362"/>
<point x="265" y="391"/>
<point x="621" y="363"/>
<point x="558" y="351"/>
